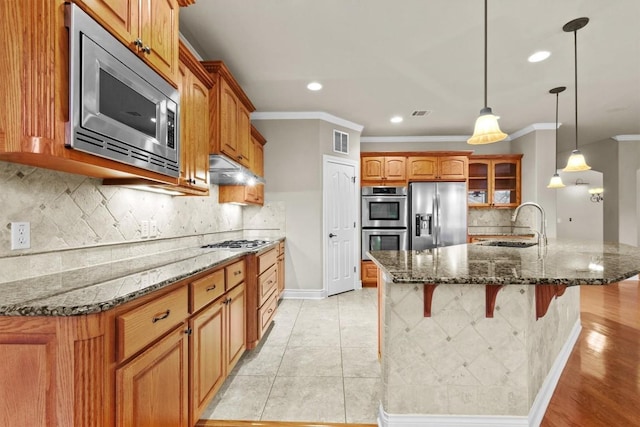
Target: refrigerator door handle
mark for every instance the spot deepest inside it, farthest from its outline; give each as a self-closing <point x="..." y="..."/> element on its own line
<point x="438" y="213"/>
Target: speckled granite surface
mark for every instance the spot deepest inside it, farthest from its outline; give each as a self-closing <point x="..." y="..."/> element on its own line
<point x="567" y="262"/>
<point x="102" y="287"/>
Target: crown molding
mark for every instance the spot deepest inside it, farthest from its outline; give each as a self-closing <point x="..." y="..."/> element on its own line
<point x="434" y="138"/>
<point x="626" y="138"/>
<point x="532" y="128"/>
<point x="306" y="115"/>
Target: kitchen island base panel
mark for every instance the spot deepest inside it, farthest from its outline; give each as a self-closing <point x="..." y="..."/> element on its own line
<point x="460" y="363"/>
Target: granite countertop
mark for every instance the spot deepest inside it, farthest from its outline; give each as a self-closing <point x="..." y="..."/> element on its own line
<point x="102" y="287"/>
<point x="562" y="262"/>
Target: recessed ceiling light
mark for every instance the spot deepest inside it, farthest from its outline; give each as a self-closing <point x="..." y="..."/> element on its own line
<point x="314" y="86"/>
<point x="396" y="119"/>
<point x="539" y="56"/>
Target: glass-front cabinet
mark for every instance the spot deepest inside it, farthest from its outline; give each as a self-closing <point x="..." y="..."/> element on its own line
<point x="494" y="181"/>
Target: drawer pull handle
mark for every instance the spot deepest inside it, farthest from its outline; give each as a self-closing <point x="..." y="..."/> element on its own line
<point x="210" y="288"/>
<point x="269" y="282"/>
<point x="161" y="316"/>
<point x="188" y="331"/>
<point x="235" y="273"/>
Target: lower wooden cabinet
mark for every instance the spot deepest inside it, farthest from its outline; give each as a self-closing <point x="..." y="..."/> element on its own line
<point x="280" y="269"/>
<point x="217" y="343"/>
<point x="153" y="389"/>
<point x="369" y="274"/>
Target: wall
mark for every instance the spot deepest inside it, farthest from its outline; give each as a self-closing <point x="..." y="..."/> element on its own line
<point x="578" y="216"/>
<point x="537" y="167"/>
<point x="293" y="163"/>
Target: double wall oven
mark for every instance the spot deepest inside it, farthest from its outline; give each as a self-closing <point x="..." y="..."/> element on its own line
<point x="384" y="219"/>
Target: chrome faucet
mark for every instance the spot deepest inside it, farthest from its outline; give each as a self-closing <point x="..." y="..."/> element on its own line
<point x="542" y="234"/>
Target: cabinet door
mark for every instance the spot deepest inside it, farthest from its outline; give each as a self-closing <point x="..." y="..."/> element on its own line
<point x="159" y="32"/>
<point x="280" y="273"/>
<point x="207" y="350"/>
<point x="244" y="137"/>
<point x="506" y="183"/>
<point x="152" y="389"/>
<point x="236" y="315"/>
<point x="395" y="168"/>
<point x="422" y="168"/>
<point x="369" y="274"/>
<point x="119" y="16"/>
<point x="258" y="158"/>
<point x="372" y="168"/>
<point x="454" y="167"/>
<point x="480" y="184"/>
<point x="198" y="143"/>
<point x="184" y="83"/>
<point x="229" y="105"/>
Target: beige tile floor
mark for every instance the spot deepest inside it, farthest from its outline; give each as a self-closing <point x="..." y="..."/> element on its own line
<point x="317" y="363"/>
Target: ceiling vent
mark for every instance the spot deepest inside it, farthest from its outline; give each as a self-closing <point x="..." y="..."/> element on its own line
<point x="420" y="113"/>
<point x="340" y="142"/>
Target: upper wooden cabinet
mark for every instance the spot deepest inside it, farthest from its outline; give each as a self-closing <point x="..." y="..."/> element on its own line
<point x="195" y="84"/>
<point x="35" y="92"/>
<point x="230" y="110"/>
<point x="495" y="181"/>
<point x="437" y="168"/>
<point x="149" y="28"/>
<point x="383" y="170"/>
<point x="257" y="141"/>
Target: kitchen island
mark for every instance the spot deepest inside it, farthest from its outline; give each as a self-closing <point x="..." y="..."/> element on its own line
<point x="477" y="334"/>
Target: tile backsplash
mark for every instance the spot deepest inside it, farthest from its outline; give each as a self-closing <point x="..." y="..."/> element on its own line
<point x="90" y="223"/>
<point x="498" y="221"/>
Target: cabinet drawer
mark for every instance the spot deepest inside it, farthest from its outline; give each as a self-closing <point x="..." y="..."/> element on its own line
<point x="235" y="274"/>
<point x="267" y="282"/>
<point x="266" y="313"/>
<point x="206" y="289"/>
<point x="266" y="260"/>
<point x="280" y="248"/>
<point x="140" y="326"/>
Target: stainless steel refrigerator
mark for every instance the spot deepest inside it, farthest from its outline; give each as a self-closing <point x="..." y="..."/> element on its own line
<point x="438" y="214"/>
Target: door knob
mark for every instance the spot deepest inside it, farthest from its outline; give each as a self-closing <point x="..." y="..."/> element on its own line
<point x="332" y="235"/>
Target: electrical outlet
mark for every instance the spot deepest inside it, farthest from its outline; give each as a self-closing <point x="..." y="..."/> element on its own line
<point x="144" y="229"/>
<point x="20" y="235"/>
<point x="153" y="228"/>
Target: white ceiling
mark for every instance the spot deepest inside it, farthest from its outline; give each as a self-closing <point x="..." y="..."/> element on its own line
<point x="379" y="58"/>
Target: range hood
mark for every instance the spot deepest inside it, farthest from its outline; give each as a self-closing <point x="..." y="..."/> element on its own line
<point x="224" y="171"/>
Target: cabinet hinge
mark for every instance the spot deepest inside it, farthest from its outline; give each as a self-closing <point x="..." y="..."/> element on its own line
<point x="353" y="179"/>
<point x="354" y="268"/>
<point x="354" y="224"/>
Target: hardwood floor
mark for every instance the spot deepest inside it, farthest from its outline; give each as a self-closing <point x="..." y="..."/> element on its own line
<point x="600" y="385"/>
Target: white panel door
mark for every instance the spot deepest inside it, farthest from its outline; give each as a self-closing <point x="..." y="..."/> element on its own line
<point x="340" y="226"/>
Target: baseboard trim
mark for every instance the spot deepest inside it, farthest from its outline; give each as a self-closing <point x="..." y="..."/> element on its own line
<point x="534" y="418"/>
<point x="304" y="294"/>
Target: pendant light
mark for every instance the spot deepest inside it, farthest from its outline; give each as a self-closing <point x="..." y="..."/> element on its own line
<point x="576" y="161"/>
<point x="556" y="181"/>
<point x="486" y="130"/>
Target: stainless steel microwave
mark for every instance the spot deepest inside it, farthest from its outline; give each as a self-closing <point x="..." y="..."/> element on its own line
<point x="120" y="108"/>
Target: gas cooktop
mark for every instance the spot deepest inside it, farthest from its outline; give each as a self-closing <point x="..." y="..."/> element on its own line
<point x="238" y="244"/>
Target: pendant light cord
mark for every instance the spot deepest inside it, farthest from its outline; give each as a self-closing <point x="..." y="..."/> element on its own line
<point x="555" y="152"/>
<point x="485" y="53"/>
<point x="575" y="75"/>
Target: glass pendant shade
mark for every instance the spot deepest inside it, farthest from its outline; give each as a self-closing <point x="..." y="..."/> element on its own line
<point x="576" y="163"/>
<point x="556" y="181"/>
<point x="487" y="129"/>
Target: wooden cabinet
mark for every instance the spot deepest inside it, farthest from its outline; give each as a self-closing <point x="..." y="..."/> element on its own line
<point x="494" y="181"/>
<point x="368" y="274"/>
<point x="35" y="91"/>
<point x="218" y="337"/>
<point x="153" y="388"/>
<point x="149" y="28"/>
<point x="280" y="269"/>
<point x="258" y="141"/>
<point x="241" y="194"/>
<point x="195" y="84"/>
<point x="230" y="111"/>
<point x="383" y="170"/>
<point x="262" y="293"/>
<point x="437" y="168"/>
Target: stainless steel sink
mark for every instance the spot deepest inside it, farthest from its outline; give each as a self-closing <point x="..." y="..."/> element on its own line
<point x="510" y="244"/>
